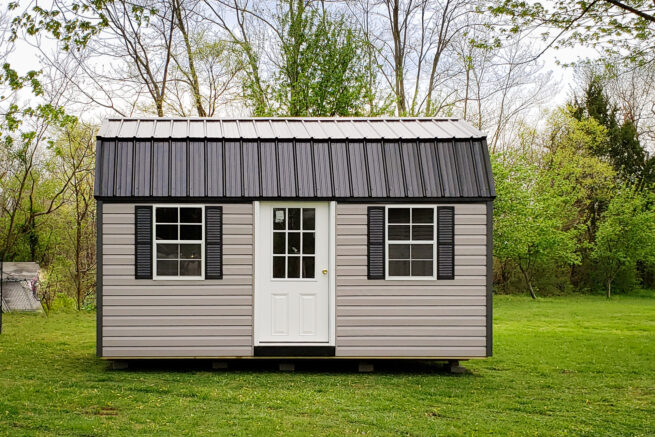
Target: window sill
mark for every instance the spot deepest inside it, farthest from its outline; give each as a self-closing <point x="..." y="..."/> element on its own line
<point x="178" y="278"/>
<point x="410" y="278"/>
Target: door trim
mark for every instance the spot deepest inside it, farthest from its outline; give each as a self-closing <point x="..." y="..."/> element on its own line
<point x="332" y="276"/>
<point x="332" y="207"/>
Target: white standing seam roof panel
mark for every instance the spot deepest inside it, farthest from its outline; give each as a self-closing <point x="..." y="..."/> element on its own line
<point x="289" y="128"/>
<point x="146" y="129"/>
<point x="197" y="129"/>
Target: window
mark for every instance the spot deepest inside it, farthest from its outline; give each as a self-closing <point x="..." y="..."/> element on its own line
<point x="294" y="243"/>
<point x="410" y="242"/>
<point x="178" y="242"/>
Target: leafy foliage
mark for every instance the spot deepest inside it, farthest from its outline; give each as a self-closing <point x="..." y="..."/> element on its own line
<point x="626" y="234"/>
<point x="620" y="28"/>
<point x="620" y="146"/>
<point x="322" y="68"/>
<point x="530" y="217"/>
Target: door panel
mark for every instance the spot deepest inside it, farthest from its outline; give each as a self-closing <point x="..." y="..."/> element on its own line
<point x="280" y="314"/>
<point x="291" y="278"/>
<point x="308" y="314"/>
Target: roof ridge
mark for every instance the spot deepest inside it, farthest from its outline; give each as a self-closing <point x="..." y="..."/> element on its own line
<point x="402" y="128"/>
<point x="344" y="119"/>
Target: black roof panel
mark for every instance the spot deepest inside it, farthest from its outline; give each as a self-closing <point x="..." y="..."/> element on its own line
<point x="323" y="158"/>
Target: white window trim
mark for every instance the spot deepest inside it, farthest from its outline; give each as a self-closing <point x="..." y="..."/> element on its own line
<point x="154" y="243"/>
<point x="433" y="242"/>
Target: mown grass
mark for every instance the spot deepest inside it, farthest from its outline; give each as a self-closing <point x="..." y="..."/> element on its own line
<point x="562" y="366"/>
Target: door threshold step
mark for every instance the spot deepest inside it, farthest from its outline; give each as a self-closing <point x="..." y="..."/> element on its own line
<point x="294" y="351"/>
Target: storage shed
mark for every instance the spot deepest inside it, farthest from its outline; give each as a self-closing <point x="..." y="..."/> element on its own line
<point x="294" y="237"/>
<point x="19" y="286"/>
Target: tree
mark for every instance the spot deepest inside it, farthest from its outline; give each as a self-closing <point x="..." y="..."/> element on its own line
<point x="620" y="147"/>
<point x="530" y="218"/>
<point x="589" y="180"/>
<point x="502" y="85"/>
<point x="322" y="70"/>
<point x="140" y="32"/>
<point x="74" y="151"/>
<point x="632" y="90"/>
<point x="626" y="234"/>
<point x="413" y="43"/>
<point x="619" y="28"/>
<point x="300" y="59"/>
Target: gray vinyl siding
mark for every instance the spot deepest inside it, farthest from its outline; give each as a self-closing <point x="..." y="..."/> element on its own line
<point x="423" y="318"/>
<point x="148" y="318"/>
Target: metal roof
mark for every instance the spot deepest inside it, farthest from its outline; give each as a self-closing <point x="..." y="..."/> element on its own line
<point x="18" y="271"/>
<point x="288" y="128"/>
<point x="292" y="158"/>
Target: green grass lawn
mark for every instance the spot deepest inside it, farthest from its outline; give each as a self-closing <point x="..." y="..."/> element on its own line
<point x="561" y="366"/>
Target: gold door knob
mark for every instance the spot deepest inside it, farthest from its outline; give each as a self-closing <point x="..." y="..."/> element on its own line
<point x="324" y="271"/>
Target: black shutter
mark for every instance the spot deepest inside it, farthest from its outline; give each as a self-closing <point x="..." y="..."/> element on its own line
<point x="213" y="242"/>
<point x="143" y="242"/>
<point x="445" y="242"/>
<point x="376" y="242"/>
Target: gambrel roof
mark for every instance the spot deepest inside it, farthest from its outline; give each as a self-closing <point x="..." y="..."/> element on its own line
<point x="292" y="158"/>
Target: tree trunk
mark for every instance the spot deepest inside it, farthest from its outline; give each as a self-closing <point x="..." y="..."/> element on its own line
<point x="78" y="266"/>
<point x="528" y="283"/>
<point x="193" y="76"/>
<point x="398" y="57"/>
<point x="466" y="90"/>
<point x="609" y="288"/>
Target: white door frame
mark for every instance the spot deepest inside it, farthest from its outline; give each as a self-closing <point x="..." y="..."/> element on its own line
<point x="257" y="281"/>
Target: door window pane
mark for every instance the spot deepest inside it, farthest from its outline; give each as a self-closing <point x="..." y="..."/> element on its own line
<point x="279" y="242"/>
<point x="308" y="219"/>
<point x="279" y="267"/>
<point x="166" y="215"/>
<point x="293" y="267"/>
<point x="190" y="268"/>
<point x="398" y="215"/>
<point x="294" y="243"/>
<point x="308" y="243"/>
<point x="293" y="238"/>
<point x="279" y="219"/>
<point x="294" y="218"/>
<point x="190" y="215"/>
<point x="308" y="267"/>
<point x="166" y="232"/>
<point x="167" y="268"/>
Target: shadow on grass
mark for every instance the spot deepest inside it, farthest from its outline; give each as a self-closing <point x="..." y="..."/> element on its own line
<point x="313" y="366"/>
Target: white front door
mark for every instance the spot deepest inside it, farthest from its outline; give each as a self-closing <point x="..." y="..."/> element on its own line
<point x="291" y="277"/>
